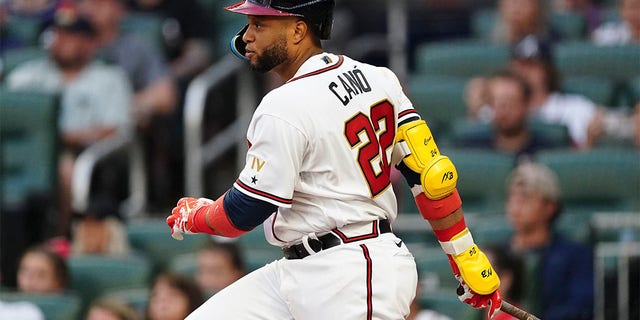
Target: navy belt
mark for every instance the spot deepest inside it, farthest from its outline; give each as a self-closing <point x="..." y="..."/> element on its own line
<point x="333" y="239"/>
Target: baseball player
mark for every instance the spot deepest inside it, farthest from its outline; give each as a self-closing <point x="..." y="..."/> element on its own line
<point x="317" y="177"/>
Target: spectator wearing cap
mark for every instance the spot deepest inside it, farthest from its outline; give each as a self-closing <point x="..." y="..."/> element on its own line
<point x="531" y="59"/>
<point x="587" y="123"/>
<point x="155" y="92"/>
<point x="95" y="98"/>
<point x="559" y="281"/>
<point x="620" y="32"/>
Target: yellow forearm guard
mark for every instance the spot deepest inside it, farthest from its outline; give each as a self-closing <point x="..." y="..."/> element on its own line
<point x="475" y="268"/>
<point x="438" y="175"/>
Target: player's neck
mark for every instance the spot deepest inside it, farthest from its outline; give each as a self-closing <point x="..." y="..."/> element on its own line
<point x="289" y="68"/>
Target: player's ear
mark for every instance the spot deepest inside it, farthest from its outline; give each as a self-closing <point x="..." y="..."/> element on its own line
<point x="300" y="30"/>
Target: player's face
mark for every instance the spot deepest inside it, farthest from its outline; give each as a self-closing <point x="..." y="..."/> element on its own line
<point x="266" y="42"/>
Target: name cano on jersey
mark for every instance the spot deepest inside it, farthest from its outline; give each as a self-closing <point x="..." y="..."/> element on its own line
<point x="352" y="83"/>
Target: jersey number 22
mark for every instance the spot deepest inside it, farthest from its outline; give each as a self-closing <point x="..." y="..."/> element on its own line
<point x="373" y="136"/>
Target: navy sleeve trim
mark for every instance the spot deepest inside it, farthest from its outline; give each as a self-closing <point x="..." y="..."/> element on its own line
<point x="246" y="212"/>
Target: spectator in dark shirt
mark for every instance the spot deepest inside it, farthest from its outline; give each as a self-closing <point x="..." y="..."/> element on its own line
<point x="559" y="271"/>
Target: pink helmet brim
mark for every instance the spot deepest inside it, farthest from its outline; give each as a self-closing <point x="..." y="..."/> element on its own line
<point x="247" y="7"/>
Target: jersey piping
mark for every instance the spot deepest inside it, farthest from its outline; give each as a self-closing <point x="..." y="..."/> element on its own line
<point x="319" y="71"/>
<point x="263" y="194"/>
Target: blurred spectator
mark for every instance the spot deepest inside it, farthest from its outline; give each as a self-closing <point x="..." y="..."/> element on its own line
<point x="155" y="94"/>
<point x="621" y="32"/>
<point x="532" y="60"/>
<point x="219" y="265"/>
<point x="146" y="68"/>
<point x="509" y="97"/>
<point x="510" y="267"/>
<point x="587" y="123"/>
<point x="475" y="97"/>
<point x="559" y="272"/>
<point x="42" y="10"/>
<point x="7" y="40"/>
<point x="173" y="297"/>
<point x="587" y="8"/>
<point x="21" y="310"/>
<point x="521" y="18"/>
<point x="105" y="309"/>
<point x="95" y="98"/>
<point x="185" y="31"/>
<point x="42" y="271"/>
<point x="100" y="232"/>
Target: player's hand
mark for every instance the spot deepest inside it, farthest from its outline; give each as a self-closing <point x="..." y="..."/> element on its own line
<point x="493" y="301"/>
<point x="181" y="219"/>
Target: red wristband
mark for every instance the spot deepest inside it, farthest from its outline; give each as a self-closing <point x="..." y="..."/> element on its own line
<point x="436" y="209"/>
<point x="446" y="234"/>
<point x="219" y="223"/>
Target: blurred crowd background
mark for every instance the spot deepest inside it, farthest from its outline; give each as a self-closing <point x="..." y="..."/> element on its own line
<point x="111" y="110"/>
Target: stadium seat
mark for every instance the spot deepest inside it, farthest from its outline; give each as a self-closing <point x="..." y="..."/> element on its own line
<point x="184" y="264"/>
<point x="256" y="251"/>
<point x="465" y="58"/>
<point x="53" y="306"/>
<point x="27" y="29"/>
<point x="136" y="298"/>
<point x="570" y="26"/>
<point x="152" y="238"/>
<point x="482" y="177"/>
<point x="463" y="130"/>
<point x="440" y="101"/>
<point x="28" y="144"/>
<point x="93" y="276"/>
<point x="602" y="179"/>
<point x="446" y="302"/>
<point x="14" y="57"/>
<point x="600" y="90"/>
<point x="490" y="229"/>
<point x="145" y="25"/>
<point x="434" y="269"/>
<point x="620" y="63"/>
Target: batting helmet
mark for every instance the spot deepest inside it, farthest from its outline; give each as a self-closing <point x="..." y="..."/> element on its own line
<point x="317" y="13"/>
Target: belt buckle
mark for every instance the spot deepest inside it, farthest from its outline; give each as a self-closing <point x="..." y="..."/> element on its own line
<point x="311" y="243"/>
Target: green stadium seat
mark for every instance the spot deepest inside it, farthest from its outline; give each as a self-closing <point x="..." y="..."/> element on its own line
<point x="460" y="59"/>
<point x="491" y="229"/>
<point x="28" y="144"/>
<point x="483" y="22"/>
<point x="26" y="29"/>
<point x="446" y="302"/>
<point x="53" y="306"/>
<point x="440" y="101"/>
<point x="145" y="25"/>
<point x="94" y="276"/>
<point x="598" y="89"/>
<point x="152" y="238"/>
<point x="136" y="298"/>
<point x="463" y="130"/>
<point x="17" y="56"/>
<point x="482" y="177"/>
<point x="620" y="63"/>
<point x="184" y="264"/>
<point x="602" y="179"/>
<point x="434" y="269"/>
<point x="570" y="25"/>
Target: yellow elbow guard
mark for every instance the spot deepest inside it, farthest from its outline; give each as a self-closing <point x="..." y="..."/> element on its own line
<point x="438" y="175"/>
<point x="475" y="268"/>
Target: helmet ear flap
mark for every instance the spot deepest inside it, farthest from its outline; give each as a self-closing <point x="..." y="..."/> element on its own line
<point x="238" y="47"/>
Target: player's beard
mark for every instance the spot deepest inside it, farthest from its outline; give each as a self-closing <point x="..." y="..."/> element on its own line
<point x="272" y="56"/>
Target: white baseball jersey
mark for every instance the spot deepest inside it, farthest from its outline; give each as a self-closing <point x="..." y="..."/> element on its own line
<point x="320" y="148"/>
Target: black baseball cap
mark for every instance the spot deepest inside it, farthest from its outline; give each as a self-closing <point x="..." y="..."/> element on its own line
<point x="68" y="18"/>
<point x="531" y="48"/>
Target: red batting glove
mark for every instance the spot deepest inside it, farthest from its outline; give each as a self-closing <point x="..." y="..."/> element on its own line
<point x="182" y="218"/>
<point x="475" y="300"/>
